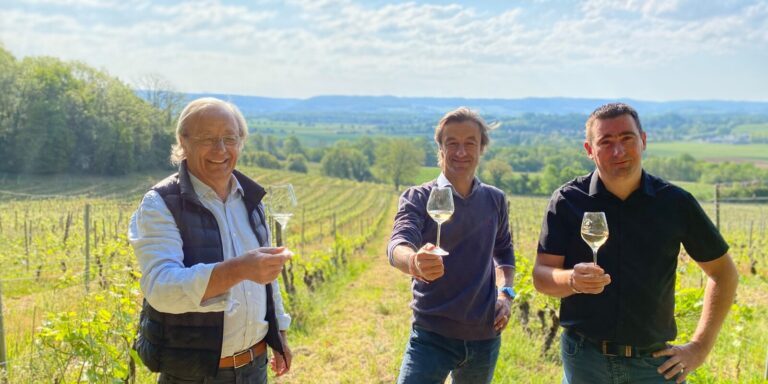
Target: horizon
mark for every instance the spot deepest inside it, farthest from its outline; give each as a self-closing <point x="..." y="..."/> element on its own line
<point x="651" y="51"/>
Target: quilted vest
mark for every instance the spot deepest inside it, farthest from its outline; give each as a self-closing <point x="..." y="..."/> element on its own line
<point x="189" y="344"/>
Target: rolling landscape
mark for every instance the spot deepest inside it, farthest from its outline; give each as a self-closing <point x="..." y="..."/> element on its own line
<point x="341" y="99"/>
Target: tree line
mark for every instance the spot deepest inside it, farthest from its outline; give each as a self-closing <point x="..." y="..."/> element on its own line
<point x="66" y="117"/>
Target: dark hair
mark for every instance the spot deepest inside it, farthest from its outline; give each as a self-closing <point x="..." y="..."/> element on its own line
<point x="609" y="111"/>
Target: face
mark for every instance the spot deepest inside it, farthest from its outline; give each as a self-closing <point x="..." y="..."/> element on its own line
<point x="616" y="146"/>
<point x="460" y="150"/>
<point x="212" y="146"/>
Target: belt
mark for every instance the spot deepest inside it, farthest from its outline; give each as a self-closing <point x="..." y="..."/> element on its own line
<point x="245" y="357"/>
<point x="610" y="348"/>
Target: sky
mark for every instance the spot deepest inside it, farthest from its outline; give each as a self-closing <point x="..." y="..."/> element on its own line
<point x="648" y="50"/>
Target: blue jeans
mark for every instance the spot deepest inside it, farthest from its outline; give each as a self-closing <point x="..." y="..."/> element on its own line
<point x="583" y="363"/>
<point x="430" y="357"/>
<point x="254" y="372"/>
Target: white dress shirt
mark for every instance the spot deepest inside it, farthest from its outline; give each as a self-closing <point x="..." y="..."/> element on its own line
<point x="170" y="287"/>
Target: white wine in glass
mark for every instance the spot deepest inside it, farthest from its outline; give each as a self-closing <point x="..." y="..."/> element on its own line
<point x="440" y="208"/>
<point x="594" y="231"/>
<point x="281" y="202"/>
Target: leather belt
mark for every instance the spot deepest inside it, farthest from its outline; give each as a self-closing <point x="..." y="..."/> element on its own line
<point x="245" y="357"/>
<point x="610" y="348"/>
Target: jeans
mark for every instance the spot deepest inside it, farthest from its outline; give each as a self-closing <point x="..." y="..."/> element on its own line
<point x="254" y="372"/>
<point x="583" y="363"/>
<point x="430" y="357"/>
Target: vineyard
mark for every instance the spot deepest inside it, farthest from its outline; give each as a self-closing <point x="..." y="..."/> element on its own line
<point x="70" y="297"/>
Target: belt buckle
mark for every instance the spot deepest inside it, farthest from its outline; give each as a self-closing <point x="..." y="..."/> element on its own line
<point x="234" y="358"/>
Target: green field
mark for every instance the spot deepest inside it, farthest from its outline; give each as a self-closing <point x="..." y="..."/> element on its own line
<point x="757" y="153"/>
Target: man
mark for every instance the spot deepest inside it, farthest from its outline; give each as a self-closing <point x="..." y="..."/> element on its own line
<point x="619" y="314"/>
<point x="208" y="274"/>
<point x="458" y="313"/>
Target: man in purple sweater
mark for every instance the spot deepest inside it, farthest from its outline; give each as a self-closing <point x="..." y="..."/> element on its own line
<point x="458" y="311"/>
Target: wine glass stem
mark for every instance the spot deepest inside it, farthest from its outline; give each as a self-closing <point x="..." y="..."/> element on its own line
<point x="438" y="235"/>
<point x="594" y="256"/>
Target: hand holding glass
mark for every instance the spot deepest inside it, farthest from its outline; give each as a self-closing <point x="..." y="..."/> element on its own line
<point x="440" y="208"/>
<point x="594" y="231"/>
<point x="281" y="202"/>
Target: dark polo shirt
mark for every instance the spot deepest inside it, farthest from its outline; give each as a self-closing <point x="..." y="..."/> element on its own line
<point x="646" y="230"/>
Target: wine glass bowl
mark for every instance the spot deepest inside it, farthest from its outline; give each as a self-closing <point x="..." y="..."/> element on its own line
<point x="594" y="231"/>
<point x="440" y="208"/>
<point x="281" y="202"/>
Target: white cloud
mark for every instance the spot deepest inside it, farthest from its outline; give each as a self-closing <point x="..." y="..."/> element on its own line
<point x="342" y="45"/>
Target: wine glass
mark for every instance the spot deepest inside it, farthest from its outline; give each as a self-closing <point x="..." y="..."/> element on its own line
<point x="440" y="208"/>
<point x="281" y="202"/>
<point x="594" y="231"/>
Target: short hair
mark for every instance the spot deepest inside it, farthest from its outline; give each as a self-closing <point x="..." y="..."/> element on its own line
<point x="610" y="111"/>
<point x="186" y="121"/>
<point x="460" y="115"/>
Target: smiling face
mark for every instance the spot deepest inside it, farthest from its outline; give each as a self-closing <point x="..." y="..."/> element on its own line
<point x="616" y="146"/>
<point x="460" y="150"/>
<point x="212" y="146"/>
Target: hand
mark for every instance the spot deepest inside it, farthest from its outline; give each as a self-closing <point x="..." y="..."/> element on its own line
<point x="427" y="265"/>
<point x="683" y="359"/>
<point x="589" y="278"/>
<point x="264" y="264"/>
<point x="503" y="312"/>
<point x="281" y="364"/>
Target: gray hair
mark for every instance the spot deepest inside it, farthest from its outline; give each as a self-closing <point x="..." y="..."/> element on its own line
<point x="187" y="121"/>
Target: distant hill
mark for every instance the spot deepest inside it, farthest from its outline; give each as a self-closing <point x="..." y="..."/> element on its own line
<point x="430" y="106"/>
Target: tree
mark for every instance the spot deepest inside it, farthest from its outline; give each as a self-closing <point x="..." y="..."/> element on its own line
<point x="296" y="163"/>
<point x="292" y="146"/>
<point x="262" y="159"/>
<point x="160" y="93"/>
<point x="496" y="171"/>
<point x="368" y="147"/>
<point x="345" y="162"/>
<point x="398" y="161"/>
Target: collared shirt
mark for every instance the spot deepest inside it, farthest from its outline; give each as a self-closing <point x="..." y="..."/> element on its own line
<point x="461" y="303"/>
<point x="641" y="255"/>
<point x="170" y="287"/>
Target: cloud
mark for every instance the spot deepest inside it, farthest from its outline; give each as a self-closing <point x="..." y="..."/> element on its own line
<point x="340" y="44"/>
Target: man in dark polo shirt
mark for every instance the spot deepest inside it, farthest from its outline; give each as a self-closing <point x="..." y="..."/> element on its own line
<point x="619" y="315"/>
<point x="458" y="313"/>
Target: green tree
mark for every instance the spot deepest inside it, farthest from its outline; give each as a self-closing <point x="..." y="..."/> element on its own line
<point x="345" y="162"/>
<point x="398" y="161"/>
<point x="296" y="163"/>
<point x="263" y="159"/>
<point x="496" y="172"/>
<point x="292" y="146"/>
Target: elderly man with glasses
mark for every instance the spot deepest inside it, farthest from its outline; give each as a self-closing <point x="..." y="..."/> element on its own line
<point x="212" y="303"/>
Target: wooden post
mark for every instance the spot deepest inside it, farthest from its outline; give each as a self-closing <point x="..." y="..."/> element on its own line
<point x="26" y="242"/>
<point x="717" y="205"/>
<point x="334" y="225"/>
<point x="278" y="234"/>
<point x="87" y="245"/>
<point x="3" y="361"/>
<point x="766" y="366"/>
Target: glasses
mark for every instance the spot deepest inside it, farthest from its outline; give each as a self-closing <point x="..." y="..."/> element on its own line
<point x="210" y="141"/>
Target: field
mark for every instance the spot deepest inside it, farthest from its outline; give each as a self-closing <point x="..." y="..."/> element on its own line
<point x="756" y="153"/>
<point x="350" y="308"/>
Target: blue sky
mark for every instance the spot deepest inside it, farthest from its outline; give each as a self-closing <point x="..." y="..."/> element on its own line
<point x="651" y="50"/>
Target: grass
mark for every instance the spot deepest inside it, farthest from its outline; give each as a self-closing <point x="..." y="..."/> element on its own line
<point x="757" y="153"/>
<point x="427" y="174"/>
